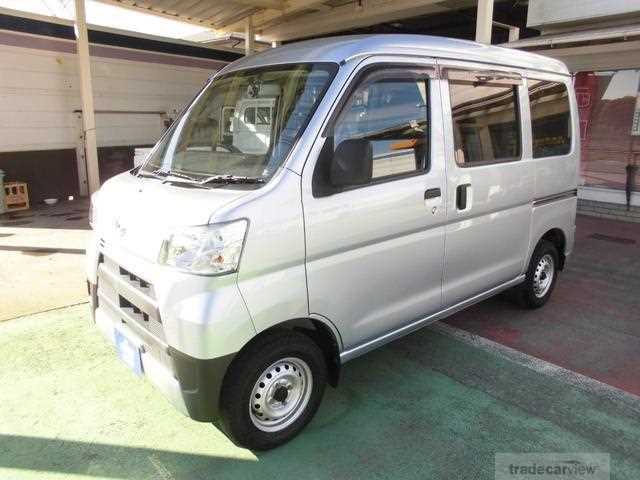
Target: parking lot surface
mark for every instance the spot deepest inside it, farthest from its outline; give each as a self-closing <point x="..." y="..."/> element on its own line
<point x="591" y="324"/>
<point x="439" y="403"/>
<point x="427" y="406"/>
<point x="42" y="258"/>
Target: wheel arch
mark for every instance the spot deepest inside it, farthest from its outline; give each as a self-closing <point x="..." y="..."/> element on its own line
<point x="558" y="238"/>
<point x="555" y="223"/>
<point x="321" y="332"/>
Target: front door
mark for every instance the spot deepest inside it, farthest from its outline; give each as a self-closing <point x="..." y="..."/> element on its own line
<point x="375" y="252"/>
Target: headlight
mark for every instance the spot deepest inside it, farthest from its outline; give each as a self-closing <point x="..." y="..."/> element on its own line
<point x="206" y="250"/>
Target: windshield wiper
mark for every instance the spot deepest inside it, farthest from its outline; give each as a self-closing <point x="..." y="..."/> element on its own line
<point x="176" y="178"/>
<point x="170" y="176"/>
<point x="170" y="173"/>
<point x="231" y="179"/>
<point x="139" y="172"/>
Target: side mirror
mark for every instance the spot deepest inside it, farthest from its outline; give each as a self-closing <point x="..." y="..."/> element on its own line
<point x="352" y="163"/>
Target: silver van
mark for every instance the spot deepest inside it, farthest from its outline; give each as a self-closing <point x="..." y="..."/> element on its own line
<point x="319" y="200"/>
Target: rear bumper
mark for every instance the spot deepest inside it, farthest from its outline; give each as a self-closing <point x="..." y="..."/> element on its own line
<point x="190" y="384"/>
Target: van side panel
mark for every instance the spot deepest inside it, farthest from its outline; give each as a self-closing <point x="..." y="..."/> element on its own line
<point x="560" y="215"/>
<point x="272" y="277"/>
<point x="486" y="248"/>
<point x="556" y="177"/>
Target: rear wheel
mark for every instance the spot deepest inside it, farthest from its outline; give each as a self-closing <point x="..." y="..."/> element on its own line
<point x="272" y="390"/>
<point x="541" y="276"/>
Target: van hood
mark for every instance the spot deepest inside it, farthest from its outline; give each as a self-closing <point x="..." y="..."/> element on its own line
<point x="137" y="214"/>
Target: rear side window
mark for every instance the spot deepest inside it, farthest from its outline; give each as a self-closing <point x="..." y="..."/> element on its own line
<point x="486" y="120"/>
<point x="550" y="118"/>
<point x="390" y="109"/>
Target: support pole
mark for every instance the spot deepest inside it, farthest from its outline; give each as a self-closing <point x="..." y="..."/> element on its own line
<point x="484" y="19"/>
<point x="249" y="36"/>
<point x="514" y="34"/>
<point x="86" y="95"/>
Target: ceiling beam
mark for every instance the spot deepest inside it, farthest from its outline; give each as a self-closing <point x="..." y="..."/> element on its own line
<point x="297" y="5"/>
<point x="273" y="4"/>
<point x="186" y="8"/>
<point x="271" y="16"/>
<point x="164" y="4"/>
<point x="206" y="10"/>
<point x="233" y="16"/>
<point x="348" y="17"/>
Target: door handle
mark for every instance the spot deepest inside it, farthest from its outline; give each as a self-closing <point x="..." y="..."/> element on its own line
<point x="432" y="193"/>
<point x="461" y="196"/>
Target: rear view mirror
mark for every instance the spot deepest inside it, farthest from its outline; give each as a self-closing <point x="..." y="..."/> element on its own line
<point x="352" y="163"/>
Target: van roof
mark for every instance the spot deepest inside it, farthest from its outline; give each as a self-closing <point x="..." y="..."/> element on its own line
<point x="337" y="49"/>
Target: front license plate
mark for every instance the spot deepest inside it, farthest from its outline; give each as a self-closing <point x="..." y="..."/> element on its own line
<point x="128" y="352"/>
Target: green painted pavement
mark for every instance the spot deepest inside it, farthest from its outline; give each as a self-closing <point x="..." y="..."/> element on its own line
<point x="424" y="407"/>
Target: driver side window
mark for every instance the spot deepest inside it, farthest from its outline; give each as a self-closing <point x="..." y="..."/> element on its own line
<point x="390" y="109"/>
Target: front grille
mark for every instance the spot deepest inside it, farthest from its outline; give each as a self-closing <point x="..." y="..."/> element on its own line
<point x="132" y="299"/>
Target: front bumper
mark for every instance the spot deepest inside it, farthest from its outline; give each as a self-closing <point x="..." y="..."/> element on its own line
<point x="188" y="328"/>
<point x="191" y="385"/>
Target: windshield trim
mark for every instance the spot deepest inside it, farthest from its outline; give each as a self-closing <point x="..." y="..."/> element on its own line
<point x="330" y="67"/>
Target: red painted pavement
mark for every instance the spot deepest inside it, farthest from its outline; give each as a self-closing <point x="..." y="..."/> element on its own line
<point x="591" y="325"/>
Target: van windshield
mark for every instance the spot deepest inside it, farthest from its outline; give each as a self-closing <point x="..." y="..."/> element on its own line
<point x="242" y="125"/>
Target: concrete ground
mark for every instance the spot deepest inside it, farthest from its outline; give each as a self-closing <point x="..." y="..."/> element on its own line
<point x="427" y="406"/>
<point x="432" y="405"/>
<point x="41" y="253"/>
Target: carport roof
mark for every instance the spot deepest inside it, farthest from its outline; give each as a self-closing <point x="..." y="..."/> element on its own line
<point x="282" y="20"/>
<point x="338" y="49"/>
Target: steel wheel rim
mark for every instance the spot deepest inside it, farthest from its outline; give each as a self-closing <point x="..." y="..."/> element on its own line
<point x="280" y="394"/>
<point x="543" y="275"/>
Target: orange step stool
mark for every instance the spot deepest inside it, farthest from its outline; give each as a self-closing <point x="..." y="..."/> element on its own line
<point x="16" y="196"/>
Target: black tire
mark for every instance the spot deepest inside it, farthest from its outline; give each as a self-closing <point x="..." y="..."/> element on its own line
<point x="243" y="375"/>
<point x="525" y="294"/>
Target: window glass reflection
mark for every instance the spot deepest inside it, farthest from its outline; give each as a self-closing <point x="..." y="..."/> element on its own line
<point x="609" y="127"/>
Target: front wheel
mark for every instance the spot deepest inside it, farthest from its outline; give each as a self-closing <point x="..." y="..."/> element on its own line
<point x="272" y="390"/>
<point x="541" y="276"/>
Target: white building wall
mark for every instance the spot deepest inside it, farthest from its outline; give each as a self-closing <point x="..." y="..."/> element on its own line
<point x="545" y="13"/>
<point x="39" y="91"/>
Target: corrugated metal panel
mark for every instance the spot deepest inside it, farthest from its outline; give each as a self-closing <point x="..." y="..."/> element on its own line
<point x="206" y="13"/>
<point x="39" y="91"/>
<point x="551" y="12"/>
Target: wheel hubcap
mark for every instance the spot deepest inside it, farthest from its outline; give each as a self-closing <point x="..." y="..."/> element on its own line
<point x="543" y="276"/>
<point x="280" y="394"/>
